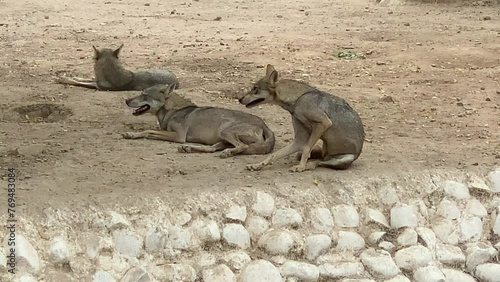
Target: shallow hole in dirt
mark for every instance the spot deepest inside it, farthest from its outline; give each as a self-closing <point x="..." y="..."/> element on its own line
<point x="43" y="112"/>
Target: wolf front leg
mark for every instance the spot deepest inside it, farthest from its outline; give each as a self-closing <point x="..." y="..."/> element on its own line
<point x="300" y="140"/>
<point x="170" y="136"/>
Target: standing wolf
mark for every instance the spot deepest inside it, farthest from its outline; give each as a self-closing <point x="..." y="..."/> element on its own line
<point x="315" y="115"/>
<point x="110" y="75"/>
<point x="214" y="129"/>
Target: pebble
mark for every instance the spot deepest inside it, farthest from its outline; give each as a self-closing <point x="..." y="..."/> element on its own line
<point x="375" y="237"/>
<point x="238" y="213"/>
<point x="179" y="238"/>
<point x="136" y="274"/>
<point x="341" y="270"/>
<point x="475" y="182"/>
<point x="453" y="275"/>
<point x="478" y="253"/>
<point x="102" y="276"/>
<point x="475" y="208"/>
<point x="317" y="245"/>
<point x="179" y="272"/>
<point x="449" y="254"/>
<point x="455" y="189"/>
<point x="300" y="270"/>
<point x="127" y="243"/>
<point x="350" y="241"/>
<point x="494" y="181"/>
<point x="405" y="216"/>
<point x="155" y="241"/>
<point x="345" y="216"/>
<point x="379" y="263"/>
<point x="413" y="257"/>
<point x="236" y="235"/>
<point x="428" y="237"/>
<point x="488" y="272"/>
<point x="219" y="273"/>
<point x="264" y="204"/>
<point x="236" y="260"/>
<point x="388" y="195"/>
<point x="399" y="278"/>
<point x="446" y="231"/>
<point x="117" y="221"/>
<point x="58" y="251"/>
<point x="204" y="260"/>
<point x="448" y="209"/>
<point x="429" y="274"/>
<point x="388" y="246"/>
<point x="27" y="259"/>
<point x="408" y="237"/>
<point x="182" y="218"/>
<point x="286" y="217"/>
<point x="276" y="242"/>
<point x="260" y="270"/>
<point x="376" y="216"/>
<point x="471" y="228"/>
<point x="256" y="226"/>
<point x="321" y="219"/>
<point x="205" y="231"/>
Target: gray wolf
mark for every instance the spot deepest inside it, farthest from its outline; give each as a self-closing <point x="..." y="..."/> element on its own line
<point x="213" y="129"/>
<point x="315" y="115"/>
<point x="110" y="75"/>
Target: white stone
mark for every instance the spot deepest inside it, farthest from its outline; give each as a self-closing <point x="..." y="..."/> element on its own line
<point x="117" y="221"/>
<point x="300" y="270"/>
<point x="448" y="209"/>
<point x="379" y="263"/>
<point x="478" y="253"/>
<point x="276" y="242"/>
<point x="127" y="243"/>
<point x="27" y="259"/>
<point x="428" y="237"/>
<point x="399" y="278"/>
<point x="495" y="221"/>
<point x="405" y="216"/>
<point x="155" y="241"/>
<point x="376" y="216"/>
<point x="476" y="182"/>
<point x="179" y="238"/>
<point x="388" y="195"/>
<point x="345" y="216"/>
<point x="136" y="274"/>
<point x="220" y="273"/>
<point x="102" y="276"/>
<point x="408" y="237"/>
<point x="350" y="241"/>
<point x="286" y="217"/>
<point x="475" y="208"/>
<point x="182" y="218"/>
<point x="453" y="275"/>
<point x="203" y="261"/>
<point x="494" y="181"/>
<point x="376" y="237"/>
<point x="205" y="231"/>
<point x="448" y="254"/>
<point x="256" y="226"/>
<point x="264" y="204"/>
<point x="388" y="246"/>
<point x="236" y="260"/>
<point x="429" y="274"/>
<point x="488" y="272"/>
<point x="321" y="219"/>
<point x="260" y="270"/>
<point x="471" y="228"/>
<point x="455" y="189"/>
<point x="317" y="245"/>
<point x="59" y="251"/>
<point x="179" y="272"/>
<point x="413" y="257"/>
<point x="236" y="235"/>
<point x="238" y="213"/>
<point x="446" y="231"/>
<point x="341" y="270"/>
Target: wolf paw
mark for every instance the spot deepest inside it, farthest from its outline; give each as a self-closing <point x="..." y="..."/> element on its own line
<point x="254" y="167"/>
<point x="225" y="154"/>
<point x="184" y="149"/>
<point x="298" y="168"/>
<point x="131" y="135"/>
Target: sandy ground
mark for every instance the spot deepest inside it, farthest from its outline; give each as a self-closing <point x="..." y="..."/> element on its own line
<point x="439" y="64"/>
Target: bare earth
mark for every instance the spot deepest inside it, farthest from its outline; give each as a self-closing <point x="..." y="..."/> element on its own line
<point x="439" y="64"/>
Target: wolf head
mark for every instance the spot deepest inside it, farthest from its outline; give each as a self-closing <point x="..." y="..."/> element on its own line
<point x="264" y="91"/>
<point x="106" y="53"/>
<point x="151" y="99"/>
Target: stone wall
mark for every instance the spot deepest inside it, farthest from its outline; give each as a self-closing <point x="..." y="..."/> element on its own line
<point x="451" y="234"/>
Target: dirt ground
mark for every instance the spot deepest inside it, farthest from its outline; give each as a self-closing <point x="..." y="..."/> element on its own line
<point x="439" y="65"/>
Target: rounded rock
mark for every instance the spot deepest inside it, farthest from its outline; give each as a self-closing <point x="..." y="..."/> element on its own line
<point x="455" y="189"/>
<point x="475" y="208"/>
<point x="238" y="213"/>
<point x="256" y="226"/>
<point x="449" y="254"/>
<point x="341" y="270"/>
<point x="448" y="209"/>
<point x="345" y="216"/>
<point x="379" y="263"/>
<point x="300" y="270"/>
<point x="58" y="251"/>
<point x="488" y="272"/>
<point x="136" y="274"/>
<point x="102" y="276"/>
<point x="220" y="273"/>
<point x="399" y="278"/>
<point x="286" y="217"/>
<point x="317" y="245"/>
<point x="264" y="204"/>
<point x="260" y="270"/>
<point x="377" y="217"/>
<point x="179" y="272"/>
<point x="127" y="243"/>
<point x="408" y="237"/>
<point x="350" y="241"/>
<point x="478" y="253"/>
<point x="471" y="228"/>
<point x="457" y="275"/>
<point x="405" y="216"/>
<point x="276" y="242"/>
<point x="321" y="219"/>
<point x="236" y="235"/>
<point x="237" y="260"/>
<point x="494" y="180"/>
<point x="413" y="257"/>
<point x="179" y="238"/>
<point x="429" y="274"/>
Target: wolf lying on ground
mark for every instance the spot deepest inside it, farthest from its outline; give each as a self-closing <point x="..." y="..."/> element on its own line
<point x="315" y="115"/>
<point x="110" y="75"/>
<point x="218" y="129"/>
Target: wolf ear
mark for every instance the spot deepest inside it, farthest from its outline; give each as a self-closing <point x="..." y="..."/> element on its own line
<point x="273" y="77"/>
<point x="117" y="51"/>
<point x="96" y="52"/>
<point x="167" y="89"/>
<point x="269" y="70"/>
